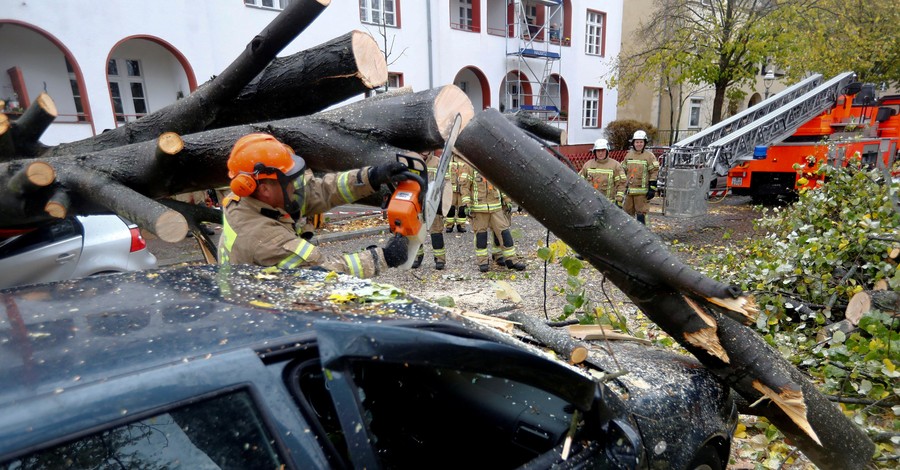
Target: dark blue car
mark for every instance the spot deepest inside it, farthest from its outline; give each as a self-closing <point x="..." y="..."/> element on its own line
<point x="208" y="367"/>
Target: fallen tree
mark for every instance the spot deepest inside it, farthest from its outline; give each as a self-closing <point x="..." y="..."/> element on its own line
<point x="698" y="312"/>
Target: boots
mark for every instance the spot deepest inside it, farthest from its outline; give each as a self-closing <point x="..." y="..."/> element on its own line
<point x="483" y="268"/>
<point x="460" y="228"/>
<point x="418" y="261"/>
<point x="501" y="261"/>
<point x="642" y="218"/>
<point x="517" y="265"/>
<point x="449" y="229"/>
<point x="439" y="264"/>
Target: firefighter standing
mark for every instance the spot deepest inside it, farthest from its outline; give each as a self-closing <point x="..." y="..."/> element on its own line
<point x="437" y="226"/>
<point x="606" y="175"/>
<point x="485" y="203"/>
<point x="270" y="194"/>
<point x="641" y="168"/>
<point x="457" y="213"/>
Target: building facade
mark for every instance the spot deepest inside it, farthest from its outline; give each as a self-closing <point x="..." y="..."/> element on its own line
<point x="105" y="64"/>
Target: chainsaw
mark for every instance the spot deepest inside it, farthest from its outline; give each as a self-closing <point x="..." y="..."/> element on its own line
<point x="414" y="203"/>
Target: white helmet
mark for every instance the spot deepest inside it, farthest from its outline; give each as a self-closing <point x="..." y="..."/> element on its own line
<point x="601" y="144"/>
<point x="639" y="135"/>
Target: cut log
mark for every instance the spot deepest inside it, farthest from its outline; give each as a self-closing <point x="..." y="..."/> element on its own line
<point x="165" y="223"/>
<point x="309" y="81"/>
<point x="7" y="149"/>
<point x="559" y="341"/>
<point x="682" y="302"/>
<point x="31" y="177"/>
<point x="168" y="144"/>
<point x="538" y="127"/>
<point x="863" y="302"/>
<point x="341" y="141"/>
<point x="31" y="125"/>
<point x="58" y="204"/>
<point x="195" y="112"/>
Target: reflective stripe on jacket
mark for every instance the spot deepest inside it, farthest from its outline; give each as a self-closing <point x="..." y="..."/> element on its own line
<point x="641" y="169"/>
<point x="480" y="194"/>
<point x="607" y="176"/>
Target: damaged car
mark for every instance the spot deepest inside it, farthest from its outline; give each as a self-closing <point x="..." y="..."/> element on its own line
<point x="242" y="367"/>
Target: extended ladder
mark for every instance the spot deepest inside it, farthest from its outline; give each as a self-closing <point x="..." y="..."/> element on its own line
<point x="720" y="146"/>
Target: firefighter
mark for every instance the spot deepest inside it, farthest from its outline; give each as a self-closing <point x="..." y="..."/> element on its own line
<point x="456" y="216"/>
<point x="641" y="169"/>
<point x="270" y="194"/>
<point x="485" y="203"/>
<point x="437" y="226"/>
<point x="606" y="175"/>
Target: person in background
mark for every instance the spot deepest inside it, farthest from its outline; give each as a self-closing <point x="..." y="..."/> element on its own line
<point x="606" y="175"/>
<point x="485" y="202"/>
<point x="436" y="230"/>
<point x="456" y="216"/>
<point x="641" y="169"/>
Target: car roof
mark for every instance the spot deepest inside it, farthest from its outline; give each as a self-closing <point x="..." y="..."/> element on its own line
<point x="66" y="334"/>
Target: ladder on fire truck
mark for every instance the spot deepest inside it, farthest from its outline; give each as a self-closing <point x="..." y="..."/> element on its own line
<point x="768" y="122"/>
<point x="719" y="147"/>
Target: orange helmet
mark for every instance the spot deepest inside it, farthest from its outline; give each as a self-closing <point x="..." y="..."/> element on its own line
<point x="260" y="156"/>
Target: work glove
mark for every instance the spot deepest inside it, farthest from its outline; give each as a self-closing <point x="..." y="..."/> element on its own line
<point x="386" y="173"/>
<point x="461" y="212"/>
<point x="651" y="191"/>
<point x="395" y="252"/>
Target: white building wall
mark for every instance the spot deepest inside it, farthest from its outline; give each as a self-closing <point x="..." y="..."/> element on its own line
<point x="210" y="35"/>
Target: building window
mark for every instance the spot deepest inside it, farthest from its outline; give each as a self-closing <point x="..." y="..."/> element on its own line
<point x="273" y="4"/>
<point x="464" y="15"/>
<point x="590" y="106"/>
<point x="126" y="88"/>
<point x="76" y="92"/>
<point x="394" y="81"/>
<point x="594" y="39"/>
<point x="694" y="119"/>
<point x="378" y="12"/>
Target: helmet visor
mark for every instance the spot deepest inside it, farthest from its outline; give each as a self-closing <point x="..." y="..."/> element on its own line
<point x="298" y="168"/>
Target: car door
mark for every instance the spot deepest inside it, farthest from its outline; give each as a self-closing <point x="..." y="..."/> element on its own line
<point x="48" y="253"/>
<point x="407" y="397"/>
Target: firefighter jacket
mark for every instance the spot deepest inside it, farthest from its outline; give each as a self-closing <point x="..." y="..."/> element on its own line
<point x="607" y="176"/>
<point x="254" y="232"/>
<point x="641" y="169"/>
<point x="480" y="194"/>
<point x="432" y="163"/>
<point x="458" y="168"/>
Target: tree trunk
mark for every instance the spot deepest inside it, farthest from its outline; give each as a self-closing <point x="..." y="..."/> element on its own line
<point x="557" y="340"/>
<point x="31" y="125"/>
<point x="684" y="303"/>
<point x="366" y="133"/>
<point x="539" y="128"/>
<point x="718" y="102"/>
<point x="309" y="81"/>
<point x="195" y="112"/>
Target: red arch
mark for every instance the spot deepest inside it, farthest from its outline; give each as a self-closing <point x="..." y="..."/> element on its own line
<point x="485" y="85"/>
<point x="185" y="65"/>
<point x="79" y="77"/>
<point x="563" y="93"/>
<point x="523" y="80"/>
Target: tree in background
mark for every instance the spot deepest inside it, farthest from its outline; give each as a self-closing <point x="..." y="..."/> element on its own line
<point x="720" y="43"/>
<point x="834" y="36"/>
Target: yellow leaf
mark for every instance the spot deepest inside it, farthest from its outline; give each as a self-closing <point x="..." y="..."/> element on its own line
<point x="889" y="365"/>
<point x="740" y="431"/>
<point x="342" y="297"/>
<point x="260" y="303"/>
<point x="331" y="276"/>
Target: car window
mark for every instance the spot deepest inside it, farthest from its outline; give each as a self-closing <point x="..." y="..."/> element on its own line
<point x="41" y="236"/>
<point x="439" y="416"/>
<point x="225" y="432"/>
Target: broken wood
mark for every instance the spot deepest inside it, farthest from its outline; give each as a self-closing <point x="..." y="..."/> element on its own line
<point x="58" y="204"/>
<point x="27" y="130"/>
<point x="601" y="333"/>
<point x="195" y="112"/>
<point x="309" y="81"/>
<point x="684" y="303"/>
<point x="527" y="122"/>
<point x="559" y="341"/>
<point x="30" y="177"/>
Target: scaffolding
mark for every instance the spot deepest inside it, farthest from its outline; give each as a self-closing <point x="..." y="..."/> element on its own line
<point x="533" y="51"/>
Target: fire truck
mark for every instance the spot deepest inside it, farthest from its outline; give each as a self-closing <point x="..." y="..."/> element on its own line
<point x="757" y="152"/>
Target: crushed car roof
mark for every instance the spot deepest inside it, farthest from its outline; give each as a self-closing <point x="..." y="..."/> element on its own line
<point x="59" y="335"/>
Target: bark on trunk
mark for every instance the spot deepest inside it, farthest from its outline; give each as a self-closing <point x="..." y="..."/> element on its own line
<point x="557" y="340"/>
<point x="195" y="112"/>
<point x="340" y="140"/>
<point x="531" y="124"/>
<point x="675" y="297"/>
<point x="309" y="81"/>
<point x="31" y="125"/>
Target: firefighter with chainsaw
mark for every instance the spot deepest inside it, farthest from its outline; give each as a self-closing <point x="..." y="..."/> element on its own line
<point x="485" y="203"/>
<point x="641" y="169"/>
<point x="456" y="216"/>
<point x="606" y="175"/>
<point x="436" y="231"/>
<point x="270" y="194"/>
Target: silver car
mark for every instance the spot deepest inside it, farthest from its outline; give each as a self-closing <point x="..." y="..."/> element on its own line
<point x="71" y="248"/>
